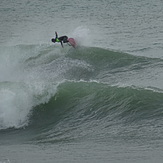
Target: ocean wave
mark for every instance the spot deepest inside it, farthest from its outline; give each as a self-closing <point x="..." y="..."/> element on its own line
<point x="102" y="97"/>
<point x="87" y="106"/>
<point x="35" y="81"/>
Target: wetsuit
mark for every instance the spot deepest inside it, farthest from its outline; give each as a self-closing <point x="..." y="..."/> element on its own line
<point x="62" y="39"/>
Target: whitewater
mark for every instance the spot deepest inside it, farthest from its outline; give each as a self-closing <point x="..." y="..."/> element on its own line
<point x="99" y="102"/>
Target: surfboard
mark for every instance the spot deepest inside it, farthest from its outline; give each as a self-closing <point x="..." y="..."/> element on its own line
<point x="72" y="42"/>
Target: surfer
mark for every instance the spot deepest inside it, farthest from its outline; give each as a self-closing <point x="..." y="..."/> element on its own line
<point x="62" y="39"/>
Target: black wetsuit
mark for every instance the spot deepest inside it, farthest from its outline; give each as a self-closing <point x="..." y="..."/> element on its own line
<point x="62" y="39"/>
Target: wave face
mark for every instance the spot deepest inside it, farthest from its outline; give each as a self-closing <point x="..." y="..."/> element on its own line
<point x="86" y="88"/>
<point x="90" y="109"/>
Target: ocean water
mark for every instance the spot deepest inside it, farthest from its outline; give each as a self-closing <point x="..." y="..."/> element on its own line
<point x="101" y="102"/>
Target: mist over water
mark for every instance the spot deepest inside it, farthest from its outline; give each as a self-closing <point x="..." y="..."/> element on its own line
<point x="100" y="102"/>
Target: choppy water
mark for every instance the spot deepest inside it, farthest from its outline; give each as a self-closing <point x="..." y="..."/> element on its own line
<point x="101" y="102"/>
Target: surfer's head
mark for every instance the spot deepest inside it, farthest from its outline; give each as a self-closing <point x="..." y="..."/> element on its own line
<point x="53" y="40"/>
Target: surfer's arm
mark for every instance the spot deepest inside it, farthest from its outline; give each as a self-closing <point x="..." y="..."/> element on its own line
<point x="56" y="35"/>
